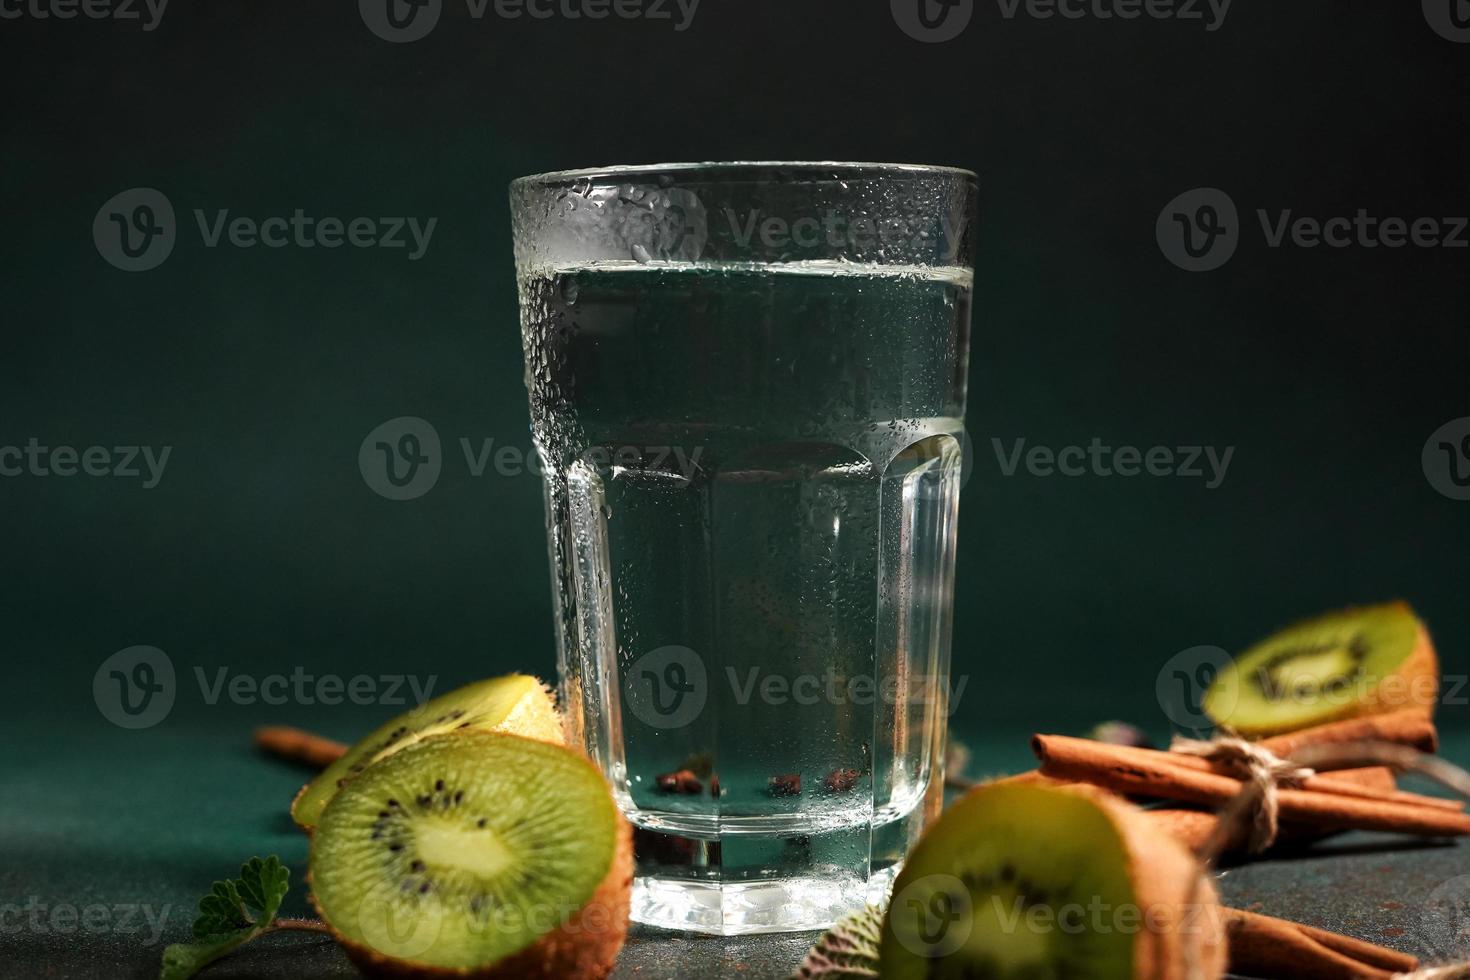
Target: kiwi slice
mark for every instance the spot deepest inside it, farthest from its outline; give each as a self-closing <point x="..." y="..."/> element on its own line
<point x="479" y="855"/>
<point x="1022" y="881"/>
<point x="514" y="703"/>
<point x="1341" y="665"/>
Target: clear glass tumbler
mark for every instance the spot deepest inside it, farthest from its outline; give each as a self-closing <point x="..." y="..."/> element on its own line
<point x="747" y="387"/>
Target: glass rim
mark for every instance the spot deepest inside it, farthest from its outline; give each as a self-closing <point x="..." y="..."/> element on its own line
<point x="833" y="168"/>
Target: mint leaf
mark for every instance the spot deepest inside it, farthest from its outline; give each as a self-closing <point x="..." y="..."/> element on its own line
<point x="849" y="951"/>
<point x="221" y="911"/>
<point x="234" y="912"/>
<point x="253" y="899"/>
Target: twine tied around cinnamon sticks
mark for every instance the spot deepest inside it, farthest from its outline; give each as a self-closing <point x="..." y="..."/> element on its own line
<point x="1367" y="752"/>
<point x="1257" y="766"/>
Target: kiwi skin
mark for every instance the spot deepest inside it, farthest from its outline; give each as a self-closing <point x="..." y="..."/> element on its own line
<point x="1422" y="663"/>
<point x="1403" y="689"/>
<point x="586" y="945"/>
<point x="1167" y="876"/>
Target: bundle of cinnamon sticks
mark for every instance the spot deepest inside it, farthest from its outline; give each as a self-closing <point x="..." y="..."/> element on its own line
<point x="1192" y="788"/>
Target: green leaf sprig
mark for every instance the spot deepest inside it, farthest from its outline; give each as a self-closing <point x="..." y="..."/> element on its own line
<point x="235" y="912"/>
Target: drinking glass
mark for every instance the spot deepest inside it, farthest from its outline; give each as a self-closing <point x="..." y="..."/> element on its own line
<point x="747" y="389"/>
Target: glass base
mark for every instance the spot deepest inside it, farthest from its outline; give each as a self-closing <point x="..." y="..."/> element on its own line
<point x="738" y="909"/>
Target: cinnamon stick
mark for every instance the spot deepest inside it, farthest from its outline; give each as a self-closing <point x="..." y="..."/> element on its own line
<point x="1364" y="952"/>
<point x="1261" y="946"/>
<point x="296" y="745"/>
<point x="1379" y="783"/>
<point x="1193" y="828"/>
<point x="1410" y="726"/>
<point x="1382" y="787"/>
<point x="1103" y="765"/>
<point x="1377" y="789"/>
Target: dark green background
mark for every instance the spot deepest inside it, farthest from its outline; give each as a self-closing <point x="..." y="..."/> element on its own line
<point x="263" y="550"/>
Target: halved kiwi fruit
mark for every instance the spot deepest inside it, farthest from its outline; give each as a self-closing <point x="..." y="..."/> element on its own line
<point x="515" y="703"/>
<point x="476" y="855"/>
<point x="1342" y="665"/>
<point x="1021" y="881"/>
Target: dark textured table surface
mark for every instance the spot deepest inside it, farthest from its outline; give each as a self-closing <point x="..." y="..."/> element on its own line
<point x="131" y="840"/>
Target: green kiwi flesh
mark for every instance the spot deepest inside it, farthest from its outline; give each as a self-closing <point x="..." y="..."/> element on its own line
<point x="1315" y="671"/>
<point x="484" y="705"/>
<point x="1002" y="858"/>
<point x="463" y="850"/>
